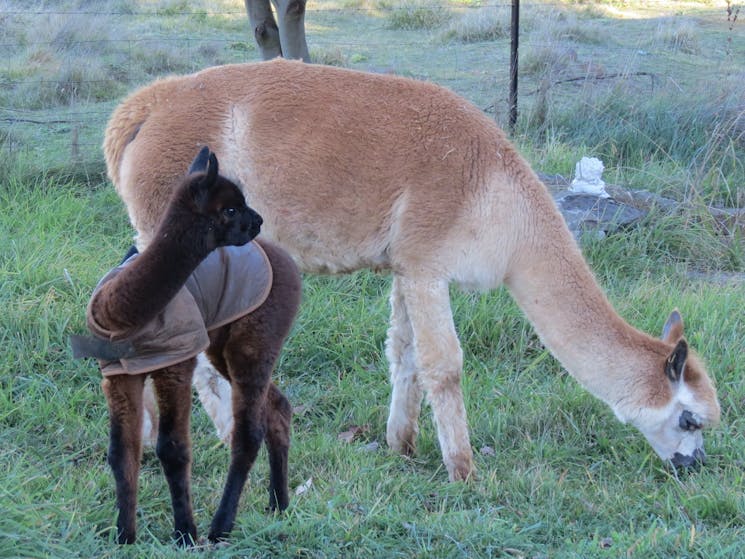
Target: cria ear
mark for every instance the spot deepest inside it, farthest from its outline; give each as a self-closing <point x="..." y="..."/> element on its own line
<point x="676" y="362"/>
<point x="212" y="168"/>
<point x="673" y="329"/>
<point x="200" y="186"/>
<point x="200" y="161"/>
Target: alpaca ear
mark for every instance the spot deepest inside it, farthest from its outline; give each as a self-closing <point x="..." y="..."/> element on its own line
<point x="673" y="329"/>
<point x="200" y="161"/>
<point x="212" y="169"/>
<point x="676" y="362"/>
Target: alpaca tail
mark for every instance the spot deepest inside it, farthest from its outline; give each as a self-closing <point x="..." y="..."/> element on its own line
<point x="122" y="129"/>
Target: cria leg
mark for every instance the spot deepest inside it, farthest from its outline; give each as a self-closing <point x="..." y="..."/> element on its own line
<point x="406" y="394"/>
<point x="439" y="359"/>
<point x="173" y="390"/>
<point x="124" y="397"/>
<point x="214" y="394"/>
<point x="250" y="374"/>
<point x="278" y="425"/>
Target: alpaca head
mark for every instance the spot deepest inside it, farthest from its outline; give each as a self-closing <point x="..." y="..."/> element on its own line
<point x="219" y="203"/>
<point x="675" y="429"/>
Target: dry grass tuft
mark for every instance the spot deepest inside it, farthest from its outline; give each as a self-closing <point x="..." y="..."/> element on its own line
<point x="418" y="14"/>
<point x="480" y="24"/>
<point x="680" y="36"/>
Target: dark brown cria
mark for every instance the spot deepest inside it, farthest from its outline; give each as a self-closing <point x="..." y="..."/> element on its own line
<point x="205" y="212"/>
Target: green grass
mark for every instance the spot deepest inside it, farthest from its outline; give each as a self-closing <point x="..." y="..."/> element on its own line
<point x="565" y="479"/>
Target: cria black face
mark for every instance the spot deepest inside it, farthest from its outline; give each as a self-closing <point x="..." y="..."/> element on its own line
<point x="231" y="220"/>
<point x="238" y="224"/>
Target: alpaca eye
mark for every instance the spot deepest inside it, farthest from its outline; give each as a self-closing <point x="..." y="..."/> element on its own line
<point x="229" y="212"/>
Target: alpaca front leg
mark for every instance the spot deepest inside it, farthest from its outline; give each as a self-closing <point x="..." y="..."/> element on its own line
<point x="124" y="398"/>
<point x="173" y="391"/>
<point x="439" y="359"/>
<point x="149" y="415"/>
<point x="406" y="394"/>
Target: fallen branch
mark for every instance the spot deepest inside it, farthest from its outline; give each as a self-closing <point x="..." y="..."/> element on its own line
<point x="32" y="121"/>
<point x="593" y="78"/>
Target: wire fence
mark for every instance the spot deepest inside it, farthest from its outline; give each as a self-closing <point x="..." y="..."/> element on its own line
<point x="63" y="71"/>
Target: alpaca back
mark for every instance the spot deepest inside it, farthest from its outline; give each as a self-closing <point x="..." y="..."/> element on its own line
<point x="347" y="169"/>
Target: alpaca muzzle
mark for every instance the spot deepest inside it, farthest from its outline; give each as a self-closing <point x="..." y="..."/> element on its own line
<point x="693" y="462"/>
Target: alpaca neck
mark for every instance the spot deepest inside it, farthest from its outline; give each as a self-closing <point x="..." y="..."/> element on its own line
<point x="556" y="290"/>
<point x="161" y="270"/>
<point x="147" y="284"/>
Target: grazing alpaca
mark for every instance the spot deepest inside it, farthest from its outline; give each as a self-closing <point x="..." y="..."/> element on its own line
<point x="353" y="170"/>
<point x="137" y="302"/>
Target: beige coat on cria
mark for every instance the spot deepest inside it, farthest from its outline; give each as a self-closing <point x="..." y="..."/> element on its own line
<point x="352" y="170"/>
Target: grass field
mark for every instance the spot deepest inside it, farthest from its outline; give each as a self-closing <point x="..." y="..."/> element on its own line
<point x="558" y="475"/>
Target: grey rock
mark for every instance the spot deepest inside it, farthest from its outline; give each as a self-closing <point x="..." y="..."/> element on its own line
<point x="586" y="213"/>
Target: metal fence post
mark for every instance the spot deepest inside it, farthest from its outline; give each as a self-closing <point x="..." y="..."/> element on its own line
<point x="514" y="33"/>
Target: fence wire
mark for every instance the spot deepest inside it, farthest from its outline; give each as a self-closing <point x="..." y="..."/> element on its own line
<point x="63" y="71"/>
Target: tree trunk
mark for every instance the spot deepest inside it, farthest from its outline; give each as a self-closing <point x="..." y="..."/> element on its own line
<point x="286" y="39"/>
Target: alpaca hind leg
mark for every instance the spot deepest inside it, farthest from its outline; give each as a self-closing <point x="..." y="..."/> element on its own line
<point x="149" y="415"/>
<point x="406" y="394"/>
<point x="173" y="391"/>
<point x="250" y="381"/>
<point x="439" y="359"/>
<point x="214" y="392"/>
<point x="124" y="398"/>
<point x="278" y="425"/>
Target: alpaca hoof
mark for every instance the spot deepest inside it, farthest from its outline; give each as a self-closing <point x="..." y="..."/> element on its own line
<point x="185" y="539"/>
<point x="274" y="509"/>
<point x="403" y="442"/>
<point x="125" y="538"/>
<point x="217" y="537"/>
<point x="219" y="532"/>
<point x="461" y="469"/>
<point x="278" y="503"/>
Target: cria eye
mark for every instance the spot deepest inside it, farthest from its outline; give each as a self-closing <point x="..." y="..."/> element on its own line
<point x="229" y="212"/>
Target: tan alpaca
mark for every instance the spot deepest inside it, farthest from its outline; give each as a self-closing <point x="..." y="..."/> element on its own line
<point x="352" y="170"/>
